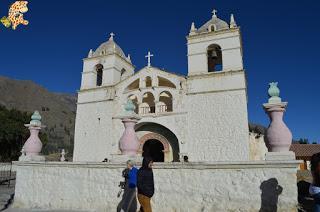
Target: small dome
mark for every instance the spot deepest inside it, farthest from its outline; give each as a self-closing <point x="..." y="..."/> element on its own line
<point x="215" y="24"/>
<point x="109" y="47"/>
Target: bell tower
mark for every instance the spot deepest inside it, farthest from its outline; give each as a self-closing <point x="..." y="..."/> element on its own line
<point x="106" y="66"/>
<point x="215" y="46"/>
<point x="216" y="91"/>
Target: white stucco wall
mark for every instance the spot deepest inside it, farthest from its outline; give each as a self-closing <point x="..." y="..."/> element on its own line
<point x="94" y="134"/>
<point x="217" y="117"/>
<point x="233" y="186"/>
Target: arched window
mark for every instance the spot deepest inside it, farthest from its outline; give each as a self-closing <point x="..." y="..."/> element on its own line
<point x="212" y="28"/>
<point x="99" y="69"/>
<point x="149" y="99"/>
<point x="123" y="71"/>
<point x="148" y="81"/>
<point x="214" y="55"/>
<point x="135" y="102"/>
<point x="165" y="82"/>
<point x="166" y="98"/>
<point x="134" y="85"/>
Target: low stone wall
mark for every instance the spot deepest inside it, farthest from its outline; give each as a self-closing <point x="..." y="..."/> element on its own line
<point x="219" y="186"/>
<point x="7" y="167"/>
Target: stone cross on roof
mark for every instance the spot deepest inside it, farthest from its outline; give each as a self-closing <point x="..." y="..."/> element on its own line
<point x="149" y="55"/>
<point x="111" y="36"/>
<point x="214" y="13"/>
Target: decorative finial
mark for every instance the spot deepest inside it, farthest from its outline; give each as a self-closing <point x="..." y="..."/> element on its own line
<point x="63" y="153"/>
<point x="149" y="55"/>
<point x="129" y="107"/>
<point x="129" y="57"/>
<point x="35" y="119"/>
<point x="111" y="36"/>
<point x="274" y="93"/>
<point x="90" y="53"/>
<point x="193" y="29"/>
<point x="214" y="13"/>
<point x="233" y="23"/>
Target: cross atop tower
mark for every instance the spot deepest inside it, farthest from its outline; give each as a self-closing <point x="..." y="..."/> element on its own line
<point x="214" y="13"/>
<point x="111" y="36"/>
<point x="149" y="55"/>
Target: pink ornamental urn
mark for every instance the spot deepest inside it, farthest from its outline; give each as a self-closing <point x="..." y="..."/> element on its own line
<point x="279" y="137"/>
<point x="33" y="145"/>
<point x="129" y="143"/>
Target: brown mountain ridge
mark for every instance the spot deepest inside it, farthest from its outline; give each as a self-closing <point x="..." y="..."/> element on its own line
<point x="57" y="110"/>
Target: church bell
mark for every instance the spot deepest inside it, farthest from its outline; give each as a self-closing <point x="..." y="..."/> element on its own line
<point x="214" y="54"/>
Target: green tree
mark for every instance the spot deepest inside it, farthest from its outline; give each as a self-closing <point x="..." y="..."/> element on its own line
<point x="303" y="141"/>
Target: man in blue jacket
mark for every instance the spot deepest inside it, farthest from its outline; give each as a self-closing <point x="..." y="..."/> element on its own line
<point x="129" y="201"/>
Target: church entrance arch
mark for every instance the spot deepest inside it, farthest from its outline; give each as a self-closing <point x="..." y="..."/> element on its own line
<point x="158" y="142"/>
<point x="155" y="146"/>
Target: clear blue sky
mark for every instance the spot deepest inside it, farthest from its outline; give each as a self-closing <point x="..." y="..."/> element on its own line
<point x="281" y="41"/>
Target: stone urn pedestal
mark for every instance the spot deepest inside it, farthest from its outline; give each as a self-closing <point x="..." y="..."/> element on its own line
<point x="278" y="136"/>
<point x="33" y="146"/>
<point x="129" y="142"/>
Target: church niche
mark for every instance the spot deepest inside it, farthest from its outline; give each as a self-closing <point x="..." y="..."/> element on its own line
<point x="148" y="105"/>
<point x="214" y="55"/>
<point x="165" y="82"/>
<point x="212" y="28"/>
<point x="148" y="82"/>
<point x="133" y="86"/>
<point x="166" y="100"/>
<point x="99" y="69"/>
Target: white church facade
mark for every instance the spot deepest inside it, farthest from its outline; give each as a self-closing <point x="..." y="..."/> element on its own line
<point x="202" y="115"/>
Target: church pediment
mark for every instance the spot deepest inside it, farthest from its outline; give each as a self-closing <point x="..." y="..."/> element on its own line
<point x="151" y="77"/>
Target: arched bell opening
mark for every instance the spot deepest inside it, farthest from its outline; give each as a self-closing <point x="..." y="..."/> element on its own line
<point x="214" y="55"/>
<point x="99" y="70"/>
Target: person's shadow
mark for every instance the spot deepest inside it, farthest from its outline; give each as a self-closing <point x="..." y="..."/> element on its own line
<point x="270" y="191"/>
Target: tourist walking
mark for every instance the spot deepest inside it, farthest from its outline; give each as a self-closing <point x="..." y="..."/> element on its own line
<point x="129" y="200"/>
<point x="315" y="186"/>
<point x="145" y="184"/>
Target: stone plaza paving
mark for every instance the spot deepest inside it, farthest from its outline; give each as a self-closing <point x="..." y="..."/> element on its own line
<point x="34" y="210"/>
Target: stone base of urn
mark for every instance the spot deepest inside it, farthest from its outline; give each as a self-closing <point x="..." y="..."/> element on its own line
<point x="38" y="158"/>
<point x="120" y="158"/>
<point x="280" y="156"/>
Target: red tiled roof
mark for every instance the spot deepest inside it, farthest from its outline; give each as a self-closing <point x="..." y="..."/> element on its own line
<point x="305" y="150"/>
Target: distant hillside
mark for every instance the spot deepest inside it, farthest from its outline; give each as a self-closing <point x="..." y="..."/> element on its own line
<point x="57" y="110"/>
